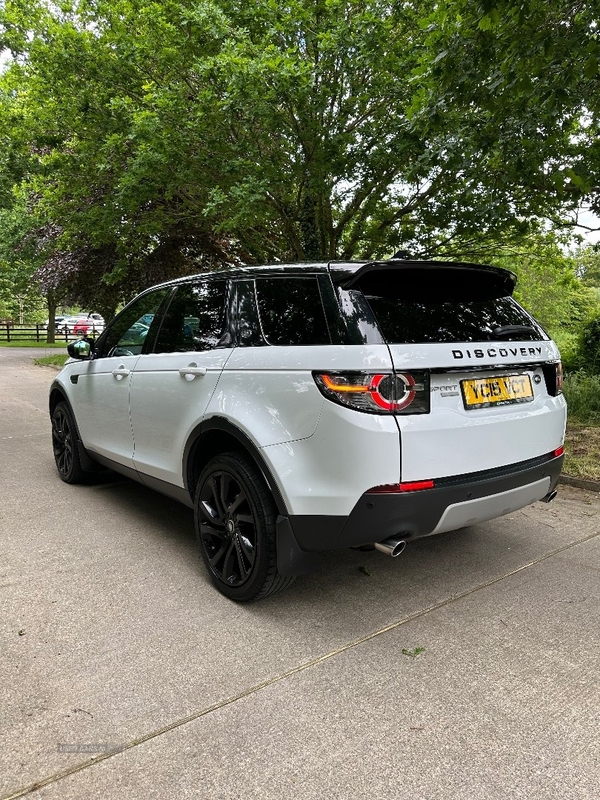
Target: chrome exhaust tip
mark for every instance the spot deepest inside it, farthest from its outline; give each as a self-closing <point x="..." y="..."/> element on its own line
<point x="550" y="496"/>
<point x="391" y="547"/>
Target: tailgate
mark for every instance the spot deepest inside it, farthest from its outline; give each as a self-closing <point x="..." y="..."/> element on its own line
<point x="490" y="407"/>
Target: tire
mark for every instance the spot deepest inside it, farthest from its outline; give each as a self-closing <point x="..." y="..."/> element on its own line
<point x="65" y="444"/>
<point x="234" y="516"/>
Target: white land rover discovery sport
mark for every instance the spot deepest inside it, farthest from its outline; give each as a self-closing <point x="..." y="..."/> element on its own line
<point x="310" y="407"/>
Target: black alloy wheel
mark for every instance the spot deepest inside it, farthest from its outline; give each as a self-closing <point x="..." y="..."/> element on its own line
<point x="65" y="441"/>
<point x="235" y="527"/>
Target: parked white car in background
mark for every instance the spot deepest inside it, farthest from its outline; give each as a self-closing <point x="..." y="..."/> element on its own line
<point x="300" y="408"/>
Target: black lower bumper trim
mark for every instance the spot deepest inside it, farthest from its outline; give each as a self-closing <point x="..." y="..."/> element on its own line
<point x="376" y="517"/>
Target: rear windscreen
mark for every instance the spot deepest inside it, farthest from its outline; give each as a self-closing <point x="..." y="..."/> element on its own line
<point x="439" y="305"/>
<point x="471" y="321"/>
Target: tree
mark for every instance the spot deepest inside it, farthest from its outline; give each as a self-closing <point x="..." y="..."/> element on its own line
<point x="517" y="83"/>
<point x="588" y="265"/>
<point x="548" y="284"/>
<point x="589" y="347"/>
<point x="221" y="132"/>
<point x="20" y="295"/>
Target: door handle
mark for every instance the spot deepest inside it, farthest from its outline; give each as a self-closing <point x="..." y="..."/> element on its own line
<point x="120" y="373"/>
<point x="190" y="372"/>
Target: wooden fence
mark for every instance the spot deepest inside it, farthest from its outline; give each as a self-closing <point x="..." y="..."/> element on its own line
<point x="36" y="333"/>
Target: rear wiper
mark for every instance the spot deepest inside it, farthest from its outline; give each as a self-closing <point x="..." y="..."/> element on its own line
<point x="512" y="330"/>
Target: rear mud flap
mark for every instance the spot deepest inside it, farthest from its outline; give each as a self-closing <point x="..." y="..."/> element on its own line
<point x="291" y="559"/>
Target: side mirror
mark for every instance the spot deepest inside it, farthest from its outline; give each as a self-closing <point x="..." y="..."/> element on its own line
<point x="81" y="349"/>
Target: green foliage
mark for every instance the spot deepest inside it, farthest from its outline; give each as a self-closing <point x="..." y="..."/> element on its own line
<point x="548" y="284"/>
<point x="31" y="343"/>
<point x="568" y="344"/>
<point x="221" y="131"/>
<point x="516" y="83"/>
<point x="150" y="140"/>
<point x="414" y="653"/>
<point x="588" y="353"/>
<point x="588" y="266"/>
<point x="20" y="296"/>
<point x="266" y="126"/>
<point x="582" y="450"/>
<point x="550" y="288"/>
<point x="582" y="392"/>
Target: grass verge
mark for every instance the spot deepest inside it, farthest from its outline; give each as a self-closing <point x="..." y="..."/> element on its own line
<point x="32" y="343"/>
<point x="51" y="361"/>
<point x="582" y="442"/>
<point x="582" y="393"/>
<point x="582" y="451"/>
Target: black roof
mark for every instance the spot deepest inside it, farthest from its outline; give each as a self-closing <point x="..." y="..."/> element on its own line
<point x="349" y="273"/>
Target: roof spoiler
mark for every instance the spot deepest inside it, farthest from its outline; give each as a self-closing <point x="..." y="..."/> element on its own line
<point x="502" y="280"/>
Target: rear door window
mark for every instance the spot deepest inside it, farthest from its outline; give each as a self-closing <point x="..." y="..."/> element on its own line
<point x="291" y="311"/>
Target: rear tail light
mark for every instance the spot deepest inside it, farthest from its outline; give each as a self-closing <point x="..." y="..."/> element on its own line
<point x="553" y="375"/>
<point x="559" y="377"/>
<point x="377" y="392"/>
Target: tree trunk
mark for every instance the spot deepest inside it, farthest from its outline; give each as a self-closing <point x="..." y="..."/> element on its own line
<point x="309" y="229"/>
<point x="107" y="311"/>
<point x="51" y="332"/>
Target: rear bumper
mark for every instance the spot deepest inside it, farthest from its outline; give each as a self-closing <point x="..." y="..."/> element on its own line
<point x="454" y="503"/>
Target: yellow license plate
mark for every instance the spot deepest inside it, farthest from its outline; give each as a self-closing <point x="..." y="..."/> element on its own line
<point x="497" y="391"/>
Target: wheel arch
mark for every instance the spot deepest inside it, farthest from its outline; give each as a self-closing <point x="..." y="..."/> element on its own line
<point x="57" y="395"/>
<point x="218" y="435"/>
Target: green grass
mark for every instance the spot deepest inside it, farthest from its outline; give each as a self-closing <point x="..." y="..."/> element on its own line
<point x="582" y="451"/>
<point x="582" y="393"/>
<point x="582" y="442"/>
<point x="32" y="343"/>
<point x="51" y="361"/>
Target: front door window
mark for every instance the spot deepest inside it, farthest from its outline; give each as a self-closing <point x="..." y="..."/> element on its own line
<point x="132" y="332"/>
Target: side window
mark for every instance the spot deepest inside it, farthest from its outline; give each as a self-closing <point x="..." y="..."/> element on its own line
<point x="291" y="311"/>
<point x="127" y="335"/>
<point x="195" y="319"/>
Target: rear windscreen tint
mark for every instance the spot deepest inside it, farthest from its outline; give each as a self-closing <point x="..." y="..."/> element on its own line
<point x="412" y="306"/>
<point x="472" y="321"/>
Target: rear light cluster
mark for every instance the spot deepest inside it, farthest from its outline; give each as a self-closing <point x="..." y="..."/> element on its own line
<point x="553" y="375"/>
<point x="559" y="378"/>
<point x="377" y="392"/>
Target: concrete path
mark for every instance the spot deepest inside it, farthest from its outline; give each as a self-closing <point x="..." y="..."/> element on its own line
<point x="124" y="674"/>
